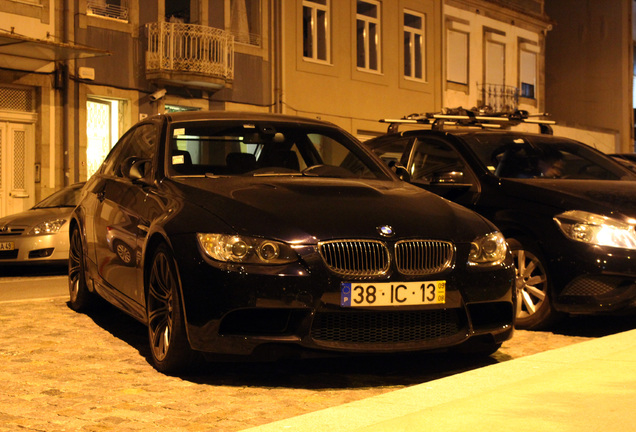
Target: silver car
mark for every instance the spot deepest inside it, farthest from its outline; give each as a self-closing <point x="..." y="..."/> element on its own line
<point x="40" y="234"/>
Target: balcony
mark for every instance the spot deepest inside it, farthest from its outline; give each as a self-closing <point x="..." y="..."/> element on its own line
<point x="497" y="98"/>
<point x="189" y="55"/>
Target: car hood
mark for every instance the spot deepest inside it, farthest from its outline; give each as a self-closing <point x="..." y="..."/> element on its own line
<point x="35" y="216"/>
<point x="306" y="210"/>
<point x="603" y="197"/>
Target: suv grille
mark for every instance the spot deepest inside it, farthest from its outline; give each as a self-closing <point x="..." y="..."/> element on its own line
<point x="419" y="257"/>
<point x="355" y="257"/>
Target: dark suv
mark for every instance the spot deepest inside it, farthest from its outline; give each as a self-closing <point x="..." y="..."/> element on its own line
<point x="567" y="210"/>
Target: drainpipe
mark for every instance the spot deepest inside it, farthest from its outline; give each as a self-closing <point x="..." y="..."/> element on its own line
<point x="277" y="55"/>
<point x="66" y="124"/>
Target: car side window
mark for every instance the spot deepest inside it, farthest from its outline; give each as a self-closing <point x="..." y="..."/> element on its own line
<point x="392" y="151"/>
<point x="435" y="161"/>
<point x="140" y="143"/>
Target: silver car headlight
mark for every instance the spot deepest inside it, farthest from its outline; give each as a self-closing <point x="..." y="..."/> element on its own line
<point x="248" y="250"/>
<point x="597" y="229"/>
<point x="47" y="227"/>
<point x="489" y="249"/>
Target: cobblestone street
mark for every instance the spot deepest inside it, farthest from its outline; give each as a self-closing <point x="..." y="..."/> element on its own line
<point x="60" y="370"/>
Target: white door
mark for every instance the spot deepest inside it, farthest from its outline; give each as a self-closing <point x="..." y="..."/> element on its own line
<point x="17" y="160"/>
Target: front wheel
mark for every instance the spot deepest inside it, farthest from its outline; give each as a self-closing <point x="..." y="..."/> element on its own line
<point x="80" y="298"/>
<point x="534" y="309"/>
<point x="169" y="346"/>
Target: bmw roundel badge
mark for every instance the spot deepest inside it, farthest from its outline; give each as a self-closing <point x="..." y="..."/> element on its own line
<point x="386" y="230"/>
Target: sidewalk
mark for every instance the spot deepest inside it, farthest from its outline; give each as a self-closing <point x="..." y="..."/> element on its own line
<point x="589" y="386"/>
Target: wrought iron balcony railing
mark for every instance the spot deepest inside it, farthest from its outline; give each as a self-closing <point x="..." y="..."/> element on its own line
<point x="499" y="98"/>
<point x="190" y="48"/>
<point x="104" y="8"/>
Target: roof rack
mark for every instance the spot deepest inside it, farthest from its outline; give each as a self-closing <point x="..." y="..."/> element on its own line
<point x="469" y="118"/>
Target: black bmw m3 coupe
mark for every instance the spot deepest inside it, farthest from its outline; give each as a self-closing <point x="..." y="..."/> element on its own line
<point x="243" y="234"/>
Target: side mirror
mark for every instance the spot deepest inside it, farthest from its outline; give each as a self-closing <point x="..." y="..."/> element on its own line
<point x="400" y="171"/>
<point x="135" y="168"/>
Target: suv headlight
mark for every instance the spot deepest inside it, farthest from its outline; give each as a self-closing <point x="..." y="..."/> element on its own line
<point x="47" y="227"/>
<point x="597" y="229"/>
<point x="489" y="249"/>
<point x="248" y="250"/>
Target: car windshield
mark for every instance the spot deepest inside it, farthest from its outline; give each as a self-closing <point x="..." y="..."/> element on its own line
<point x="67" y="197"/>
<point x="514" y="156"/>
<point x="273" y="149"/>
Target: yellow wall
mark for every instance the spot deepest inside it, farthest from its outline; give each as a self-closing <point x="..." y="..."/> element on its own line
<point x="354" y="99"/>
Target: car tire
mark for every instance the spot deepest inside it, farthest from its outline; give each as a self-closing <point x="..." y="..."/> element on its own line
<point x="169" y="347"/>
<point x="80" y="298"/>
<point x="533" y="284"/>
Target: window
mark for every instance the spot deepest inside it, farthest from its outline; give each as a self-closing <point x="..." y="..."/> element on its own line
<point x="456" y="53"/>
<point x="104" y="123"/>
<point x="434" y="161"/>
<point x="316" y="30"/>
<point x="414" y="51"/>
<point x="245" y="21"/>
<point x="114" y="9"/>
<point x="528" y="70"/>
<point x="494" y="57"/>
<point x="368" y="35"/>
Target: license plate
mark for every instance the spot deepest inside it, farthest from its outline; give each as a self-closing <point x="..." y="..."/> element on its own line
<point x="354" y="294"/>
<point x="6" y="246"/>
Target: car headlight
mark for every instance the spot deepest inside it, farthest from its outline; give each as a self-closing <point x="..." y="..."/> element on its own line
<point x="597" y="229"/>
<point x="47" y="227"/>
<point x="489" y="249"/>
<point x="248" y="250"/>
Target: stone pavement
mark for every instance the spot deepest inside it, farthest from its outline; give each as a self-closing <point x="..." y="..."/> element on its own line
<point x="589" y="386"/>
<point x="64" y="371"/>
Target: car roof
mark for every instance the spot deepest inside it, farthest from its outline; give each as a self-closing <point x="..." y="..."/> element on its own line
<point x="239" y="116"/>
<point x="479" y="132"/>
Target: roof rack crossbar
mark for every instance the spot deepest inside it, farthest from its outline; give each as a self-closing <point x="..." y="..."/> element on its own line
<point x="466" y="118"/>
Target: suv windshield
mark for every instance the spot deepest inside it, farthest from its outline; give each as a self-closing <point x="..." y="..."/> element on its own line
<point x="515" y="156"/>
<point x="272" y="149"/>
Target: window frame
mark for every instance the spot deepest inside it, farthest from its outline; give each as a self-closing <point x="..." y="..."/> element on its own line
<point x="368" y="22"/>
<point x="453" y="75"/>
<point x="316" y="6"/>
<point x="494" y="39"/>
<point x="411" y="59"/>
<point x="530" y="49"/>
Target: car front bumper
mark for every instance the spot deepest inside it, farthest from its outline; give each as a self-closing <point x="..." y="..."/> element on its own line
<point x="43" y="249"/>
<point x="235" y="310"/>
<point x="594" y="279"/>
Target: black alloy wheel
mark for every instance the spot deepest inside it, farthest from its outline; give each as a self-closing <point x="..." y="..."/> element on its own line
<point x="80" y="298"/>
<point x="534" y="310"/>
<point x="169" y="344"/>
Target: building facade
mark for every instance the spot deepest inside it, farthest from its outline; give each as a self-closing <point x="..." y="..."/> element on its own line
<point x="495" y="54"/>
<point x="76" y="74"/>
<point x="110" y="63"/>
<point x="590" y="71"/>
